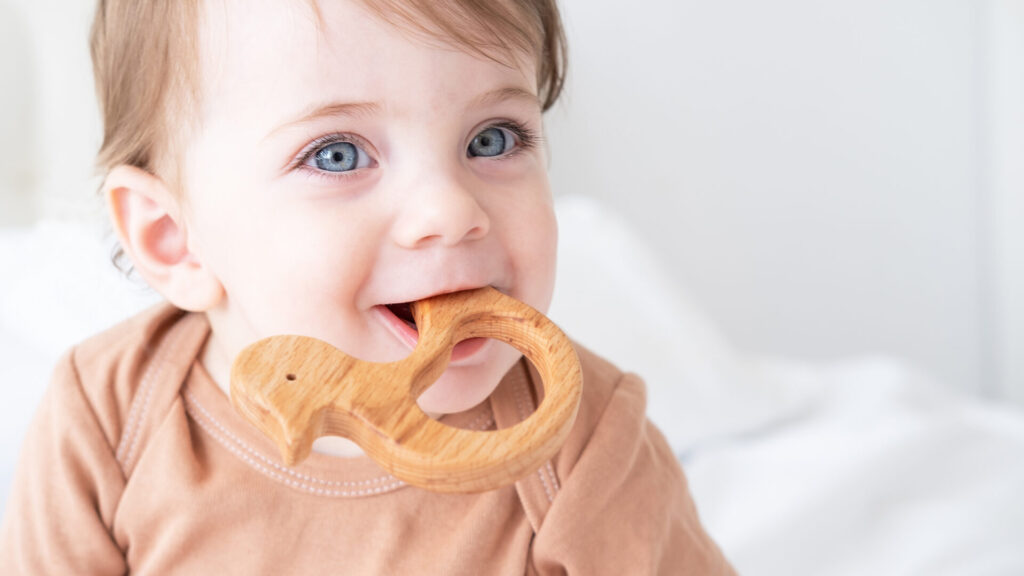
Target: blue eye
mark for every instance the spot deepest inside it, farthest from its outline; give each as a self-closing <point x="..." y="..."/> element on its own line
<point x="340" y="157"/>
<point x="493" y="141"/>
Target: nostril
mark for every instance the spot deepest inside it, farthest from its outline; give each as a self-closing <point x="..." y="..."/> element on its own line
<point x="440" y="216"/>
<point x="476" y="233"/>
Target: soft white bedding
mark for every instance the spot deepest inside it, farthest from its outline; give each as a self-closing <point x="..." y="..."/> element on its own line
<point x="885" y="474"/>
<point x="858" y="467"/>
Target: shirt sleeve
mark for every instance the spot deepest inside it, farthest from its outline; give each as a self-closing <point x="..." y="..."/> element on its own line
<point x="65" y="491"/>
<point x="624" y="506"/>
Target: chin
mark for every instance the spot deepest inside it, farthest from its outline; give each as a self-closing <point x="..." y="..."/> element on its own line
<point x="463" y="387"/>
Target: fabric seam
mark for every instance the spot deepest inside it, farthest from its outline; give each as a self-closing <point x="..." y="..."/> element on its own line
<point x="275" y="471"/>
<point x="130" y="440"/>
<point x="267" y="466"/>
<point x="522" y="404"/>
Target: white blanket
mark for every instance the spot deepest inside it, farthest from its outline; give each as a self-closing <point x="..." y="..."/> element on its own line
<point x="887" y="474"/>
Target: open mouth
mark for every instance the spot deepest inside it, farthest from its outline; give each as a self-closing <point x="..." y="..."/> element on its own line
<point x="403" y="312"/>
<point x="405" y="328"/>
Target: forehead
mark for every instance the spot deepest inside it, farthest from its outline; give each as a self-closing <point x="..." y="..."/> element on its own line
<point x="335" y="50"/>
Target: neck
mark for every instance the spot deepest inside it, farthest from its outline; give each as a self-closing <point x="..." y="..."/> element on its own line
<point x="217" y="363"/>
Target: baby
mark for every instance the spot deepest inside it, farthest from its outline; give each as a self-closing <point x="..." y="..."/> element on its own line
<point x="289" y="167"/>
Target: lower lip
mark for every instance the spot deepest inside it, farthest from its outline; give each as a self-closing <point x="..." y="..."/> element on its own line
<point x="467" y="348"/>
<point x="462" y="351"/>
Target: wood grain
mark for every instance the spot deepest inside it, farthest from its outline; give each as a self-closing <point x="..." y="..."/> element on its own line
<point x="296" y="389"/>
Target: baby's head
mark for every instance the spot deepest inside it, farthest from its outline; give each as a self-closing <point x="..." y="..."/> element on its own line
<point x="298" y="166"/>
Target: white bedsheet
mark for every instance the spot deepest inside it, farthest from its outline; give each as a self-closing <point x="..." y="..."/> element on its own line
<point x="57" y="286"/>
<point x="886" y="474"/>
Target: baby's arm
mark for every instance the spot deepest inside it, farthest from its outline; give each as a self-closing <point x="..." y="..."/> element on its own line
<point x="624" y="506"/>
<point x="66" y="490"/>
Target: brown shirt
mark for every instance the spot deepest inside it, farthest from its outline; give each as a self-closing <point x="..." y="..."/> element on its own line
<point x="136" y="463"/>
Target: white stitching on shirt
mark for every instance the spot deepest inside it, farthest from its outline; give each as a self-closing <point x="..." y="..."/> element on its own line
<point x="481" y="422"/>
<point x="209" y="417"/>
<point x="554" y="478"/>
<point x="294" y="483"/>
<point x="280" y="473"/>
<point x="276" y="471"/>
<point x="192" y="400"/>
<point x="522" y="403"/>
<point x="130" y="441"/>
<point x="544" y="482"/>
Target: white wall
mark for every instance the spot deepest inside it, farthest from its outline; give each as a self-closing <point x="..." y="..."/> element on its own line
<point x="16" y="117"/>
<point x="811" y="169"/>
<point x="44" y="46"/>
<point x="1005" y="126"/>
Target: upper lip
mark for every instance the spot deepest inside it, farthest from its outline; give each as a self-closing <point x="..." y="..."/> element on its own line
<point x="447" y="290"/>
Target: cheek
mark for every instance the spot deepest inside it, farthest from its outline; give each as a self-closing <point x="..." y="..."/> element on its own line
<point x="548" y="255"/>
<point x="535" y="244"/>
<point x="303" y="259"/>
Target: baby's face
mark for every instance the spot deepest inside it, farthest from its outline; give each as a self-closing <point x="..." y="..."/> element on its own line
<point x="346" y="166"/>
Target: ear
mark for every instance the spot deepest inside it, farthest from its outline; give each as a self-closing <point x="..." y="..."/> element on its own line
<point x="149" y="223"/>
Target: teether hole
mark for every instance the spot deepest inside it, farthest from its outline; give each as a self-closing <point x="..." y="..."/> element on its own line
<point x="462" y="388"/>
<point x="533" y="393"/>
<point x="290" y="377"/>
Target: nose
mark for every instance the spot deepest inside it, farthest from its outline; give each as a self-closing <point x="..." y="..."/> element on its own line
<point x="444" y="213"/>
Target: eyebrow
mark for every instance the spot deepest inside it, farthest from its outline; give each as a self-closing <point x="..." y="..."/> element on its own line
<point x="503" y="94"/>
<point x="363" y="109"/>
<point x="331" y="110"/>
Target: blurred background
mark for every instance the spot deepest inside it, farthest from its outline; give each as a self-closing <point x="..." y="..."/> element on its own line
<point x="799" y="221"/>
<point x="825" y="178"/>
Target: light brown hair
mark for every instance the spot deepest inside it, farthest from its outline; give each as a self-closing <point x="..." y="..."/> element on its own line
<point x="145" y="61"/>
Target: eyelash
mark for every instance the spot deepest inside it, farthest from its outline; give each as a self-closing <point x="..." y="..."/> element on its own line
<point x="526" y="139"/>
<point x="313" y="147"/>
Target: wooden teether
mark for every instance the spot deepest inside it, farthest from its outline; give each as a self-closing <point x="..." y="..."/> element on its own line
<point x="296" y="389"/>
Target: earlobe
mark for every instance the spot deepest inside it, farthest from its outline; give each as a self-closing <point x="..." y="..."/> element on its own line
<point x="150" y="225"/>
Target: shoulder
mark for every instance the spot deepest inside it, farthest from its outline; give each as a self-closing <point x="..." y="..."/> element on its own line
<point x="108" y="369"/>
<point x="611" y="399"/>
<point x="621" y="483"/>
<point x="603" y="382"/>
